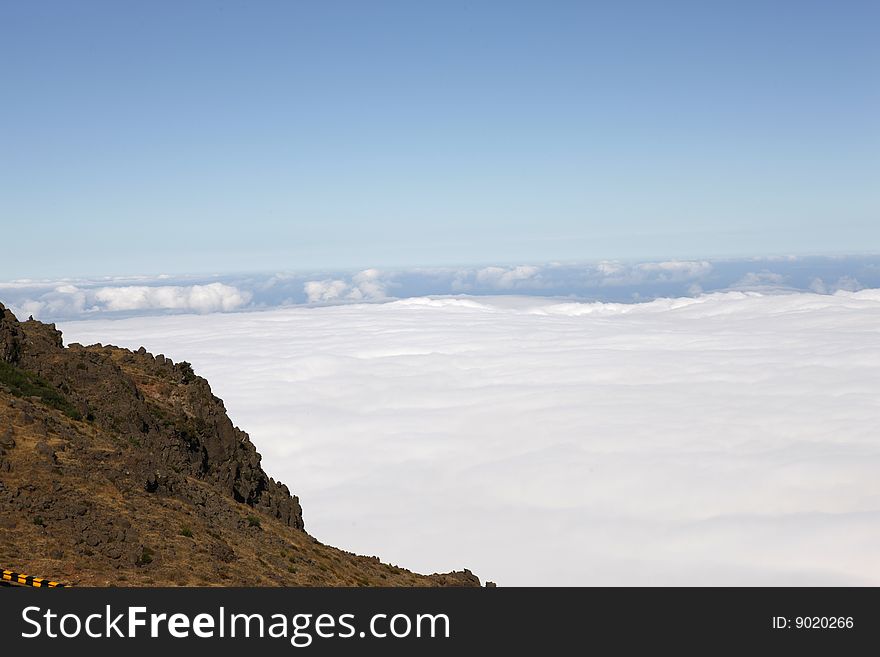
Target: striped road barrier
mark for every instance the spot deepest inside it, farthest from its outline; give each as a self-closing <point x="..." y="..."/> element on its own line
<point x="28" y="580"/>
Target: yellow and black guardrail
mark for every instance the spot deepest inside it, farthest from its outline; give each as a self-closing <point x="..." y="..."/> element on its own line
<point x="29" y="580"/>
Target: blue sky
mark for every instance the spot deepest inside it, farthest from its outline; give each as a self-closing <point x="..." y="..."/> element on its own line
<point x="224" y="136"/>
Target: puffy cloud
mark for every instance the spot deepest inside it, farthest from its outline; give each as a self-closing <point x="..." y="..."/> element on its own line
<point x="609" y="268"/>
<point x="365" y="285"/>
<point x="327" y="290"/>
<point x="723" y="439"/>
<point x="369" y="284"/>
<point x="555" y="278"/>
<point x="59" y="301"/>
<point x="677" y="268"/>
<point x="500" y="279"/>
<point x="617" y="274"/>
<point x="70" y="300"/>
<point x="817" y="285"/>
<point x="845" y="283"/>
<point x="848" y="283"/>
<point x="214" y="297"/>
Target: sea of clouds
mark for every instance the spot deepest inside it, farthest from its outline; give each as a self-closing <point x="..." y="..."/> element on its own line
<point x="720" y="439"/>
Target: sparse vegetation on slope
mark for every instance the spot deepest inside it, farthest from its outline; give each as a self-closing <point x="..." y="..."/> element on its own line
<point x="26" y="384"/>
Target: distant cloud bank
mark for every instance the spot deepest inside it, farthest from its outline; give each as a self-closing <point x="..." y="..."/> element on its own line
<point x="724" y="439"/>
<point x="364" y="285"/>
<point x="613" y="281"/>
<point x="71" y="300"/>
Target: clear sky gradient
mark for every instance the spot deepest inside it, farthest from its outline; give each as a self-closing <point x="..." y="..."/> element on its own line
<point x="229" y="136"/>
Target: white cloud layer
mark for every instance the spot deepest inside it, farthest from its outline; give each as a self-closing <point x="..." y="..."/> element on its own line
<point x="69" y="299"/>
<point x="727" y="439"/>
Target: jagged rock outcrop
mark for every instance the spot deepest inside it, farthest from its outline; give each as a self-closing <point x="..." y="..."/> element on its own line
<point x="154" y="403"/>
<point x="10" y="336"/>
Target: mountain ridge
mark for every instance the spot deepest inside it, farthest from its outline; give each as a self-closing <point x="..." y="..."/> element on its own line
<point x="118" y="466"/>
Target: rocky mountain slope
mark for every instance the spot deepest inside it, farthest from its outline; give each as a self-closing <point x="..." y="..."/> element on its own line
<point x="122" y="468"/>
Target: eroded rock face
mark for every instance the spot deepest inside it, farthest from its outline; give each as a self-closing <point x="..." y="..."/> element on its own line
<point x="172" y="424"/>
<point x="10" y="336"/>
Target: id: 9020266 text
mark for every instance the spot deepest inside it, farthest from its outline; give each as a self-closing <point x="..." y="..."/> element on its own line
<point x="813" y="622"/>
